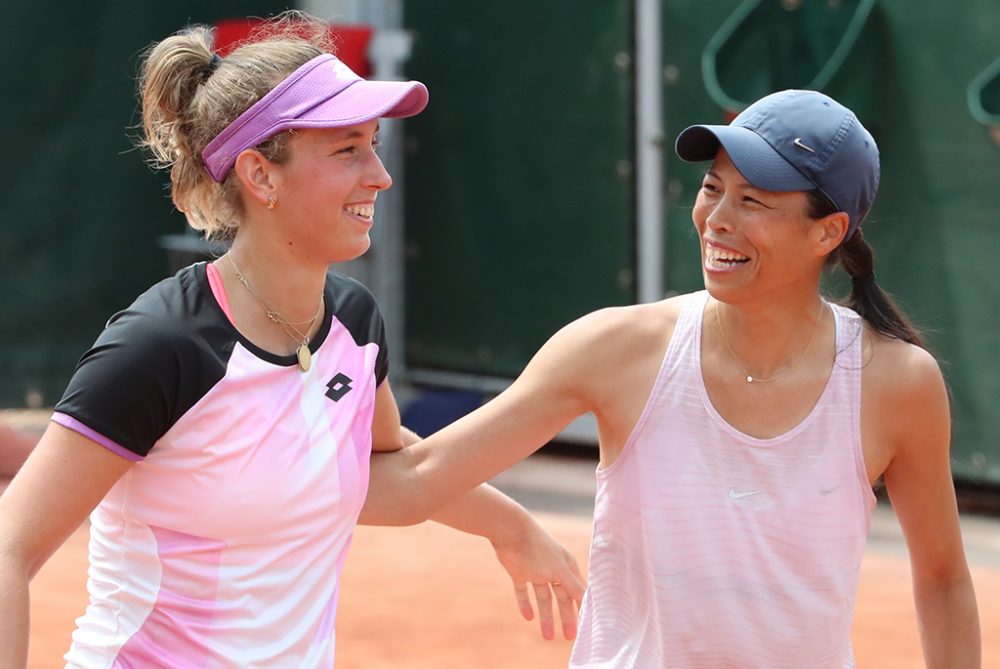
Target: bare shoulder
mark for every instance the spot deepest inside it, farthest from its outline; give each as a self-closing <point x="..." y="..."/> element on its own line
<point x="905" y="408"/>
<point x="626" y="343"/>
<point x="615" y="328"/>
<point x="900" y="370"/>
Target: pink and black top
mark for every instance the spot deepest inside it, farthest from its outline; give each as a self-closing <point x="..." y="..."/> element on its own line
<point x="223" y="545"/>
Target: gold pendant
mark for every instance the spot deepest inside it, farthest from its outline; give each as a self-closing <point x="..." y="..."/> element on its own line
<point x="305" y="357"/>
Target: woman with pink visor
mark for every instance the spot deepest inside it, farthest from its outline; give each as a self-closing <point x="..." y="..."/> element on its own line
<point x="219" y="432"/>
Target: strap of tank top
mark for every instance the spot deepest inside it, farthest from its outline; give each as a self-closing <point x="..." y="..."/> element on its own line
<point x="687" y="332"/>
<point x="849" y="329"/>
<point x="690" y="319"/>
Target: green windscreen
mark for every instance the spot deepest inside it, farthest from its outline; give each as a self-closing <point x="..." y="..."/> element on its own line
<point x="935" y="225"/>
<point x="82" y="212"/>
<point x="519" y="195"/>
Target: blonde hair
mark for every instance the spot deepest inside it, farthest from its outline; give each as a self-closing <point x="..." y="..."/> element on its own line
<point x="188" y="98"/>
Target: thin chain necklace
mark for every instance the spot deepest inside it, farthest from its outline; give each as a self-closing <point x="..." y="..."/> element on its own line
<point x="303" y="353"/>
<point x="751" y="378"/>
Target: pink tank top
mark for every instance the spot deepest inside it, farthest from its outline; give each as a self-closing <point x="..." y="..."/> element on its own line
<point x="714" y="549"/>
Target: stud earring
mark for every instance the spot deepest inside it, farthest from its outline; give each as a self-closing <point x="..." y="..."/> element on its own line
<point x="271" y="202"/>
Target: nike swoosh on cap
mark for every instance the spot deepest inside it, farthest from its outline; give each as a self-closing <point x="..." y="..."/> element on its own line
<point x="799" y="143"/>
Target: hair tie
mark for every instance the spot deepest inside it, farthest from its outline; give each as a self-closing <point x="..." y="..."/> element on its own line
<point x="213" y="64"/>
<point x="863" y="281"/>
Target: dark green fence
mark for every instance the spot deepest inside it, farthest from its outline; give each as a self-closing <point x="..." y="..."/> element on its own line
<point x="519" y="201"/>
<point x="936" y="222"/>
<point x="517" y="220"/>
<point x="519" y="179"/>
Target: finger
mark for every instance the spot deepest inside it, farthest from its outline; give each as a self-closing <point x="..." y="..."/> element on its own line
<point x="573" y="588"/>
<point x="523" y="602"/>
<point x="573" y="581"/>
<point x="543" y="599"/>
<point x="575" y="566"/>
<point x="567" y="611"/>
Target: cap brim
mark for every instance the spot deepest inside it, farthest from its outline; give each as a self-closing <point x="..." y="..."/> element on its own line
<point x="366" y="100"/>
<point x="755" y="159"/>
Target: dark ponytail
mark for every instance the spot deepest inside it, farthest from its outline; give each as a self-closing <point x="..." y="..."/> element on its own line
<point x="866" y="298"/>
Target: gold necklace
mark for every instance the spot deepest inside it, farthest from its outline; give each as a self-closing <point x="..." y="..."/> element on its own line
<point x="302" y="352"/>
<point x="750" y="378"/>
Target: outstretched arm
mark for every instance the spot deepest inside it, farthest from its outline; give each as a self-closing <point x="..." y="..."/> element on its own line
<point x="415" y="482"/>
<point x="530" y="555"/>
<point x="920" y="487"/>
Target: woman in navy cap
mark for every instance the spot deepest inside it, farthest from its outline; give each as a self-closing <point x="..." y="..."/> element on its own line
<point x="220" y="430"/>
<point x="743" y="427"/>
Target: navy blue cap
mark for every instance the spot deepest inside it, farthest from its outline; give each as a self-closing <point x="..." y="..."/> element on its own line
<point x="795" y="141"/>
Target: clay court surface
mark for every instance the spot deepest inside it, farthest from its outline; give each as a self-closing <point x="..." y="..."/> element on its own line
<point x="428" y="597"/>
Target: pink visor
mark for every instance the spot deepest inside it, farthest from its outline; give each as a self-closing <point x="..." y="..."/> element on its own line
<point x="323" y="93"/>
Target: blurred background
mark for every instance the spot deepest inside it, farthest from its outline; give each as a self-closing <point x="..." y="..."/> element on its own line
<point x="540" y="183"/>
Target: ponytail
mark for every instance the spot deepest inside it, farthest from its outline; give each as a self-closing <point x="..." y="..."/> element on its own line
<point x="866" y="298"/>
<point x="171" y="75"/>
<point x="190" y="94"/>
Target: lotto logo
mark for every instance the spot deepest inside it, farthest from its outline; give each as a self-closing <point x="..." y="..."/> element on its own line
<point x="338" y="386"/>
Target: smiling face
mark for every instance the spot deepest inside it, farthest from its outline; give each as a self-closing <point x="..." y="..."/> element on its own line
<point x="755" y="242"/>
<point x="327" y="190"/>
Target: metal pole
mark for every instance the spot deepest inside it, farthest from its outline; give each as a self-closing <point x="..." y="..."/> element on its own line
<point x="381" y="269"/>
<point x="649" y="151"/>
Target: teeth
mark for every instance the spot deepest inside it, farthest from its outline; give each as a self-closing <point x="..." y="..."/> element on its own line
<point x="365" y="211"/>
<point x="721" y="255"/>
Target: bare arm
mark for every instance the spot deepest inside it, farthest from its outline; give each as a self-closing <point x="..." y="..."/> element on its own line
<point x="918" y="479"/>
<point x="59" y="485"/>
<point x="567" y="378"/>
<point x="532" y="557"/>
<point x="417" y="481"/>
<point x="528" y="553"/>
